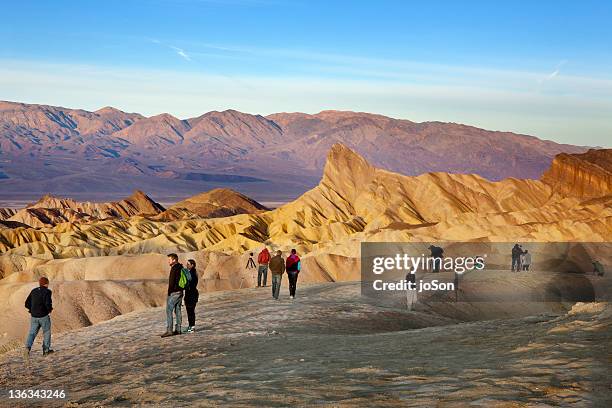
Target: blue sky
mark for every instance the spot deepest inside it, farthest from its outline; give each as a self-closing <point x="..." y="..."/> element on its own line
<point x="541" y="68"/>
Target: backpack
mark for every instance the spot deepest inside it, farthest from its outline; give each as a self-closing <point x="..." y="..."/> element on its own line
<point x="185" y="278"/>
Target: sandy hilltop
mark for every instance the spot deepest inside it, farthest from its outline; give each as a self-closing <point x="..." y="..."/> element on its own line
<point x="107" y="259"/>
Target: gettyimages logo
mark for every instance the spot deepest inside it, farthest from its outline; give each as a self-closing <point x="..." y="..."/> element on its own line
<point x="412" y="264"/>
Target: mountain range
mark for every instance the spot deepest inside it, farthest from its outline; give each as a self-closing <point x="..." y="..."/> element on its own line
<point x="50" y="149"/>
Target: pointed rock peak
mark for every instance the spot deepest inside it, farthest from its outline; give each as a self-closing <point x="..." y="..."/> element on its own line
<point x="145" y="203"/>
<point x="344" y="167"/>
<point x="139" y="194"/>
<point x="341" y="156"/>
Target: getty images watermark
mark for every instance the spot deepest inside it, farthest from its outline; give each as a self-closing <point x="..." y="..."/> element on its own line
<point x="486" y="271"/>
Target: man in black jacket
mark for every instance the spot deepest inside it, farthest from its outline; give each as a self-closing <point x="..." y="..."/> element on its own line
<point x="175" y="297"/>
<point x="39" y="305"/>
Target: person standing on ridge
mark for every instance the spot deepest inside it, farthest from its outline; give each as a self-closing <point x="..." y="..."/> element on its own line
<point x="277" y="267"/>
<point x="175" y="296"/>
<point x="293" y="266"/>
<point x="191" y="295"/>
<point x="437" y="255"/>
<point x="516" y="257"/>
<point x="40" y="305"/>
<point x="263" y="259"/>
<point x="526" y="260"/>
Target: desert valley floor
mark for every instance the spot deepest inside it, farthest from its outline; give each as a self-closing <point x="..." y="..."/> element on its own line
<point x="329" y="347"/>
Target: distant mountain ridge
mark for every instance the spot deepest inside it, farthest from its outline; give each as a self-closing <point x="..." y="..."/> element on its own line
<point x="51" y="210"/>
<point x="75" y="150"/>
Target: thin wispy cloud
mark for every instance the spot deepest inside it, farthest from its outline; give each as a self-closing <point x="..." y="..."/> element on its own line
<point x="181" y="52"/>
<point x="555" y="72"/>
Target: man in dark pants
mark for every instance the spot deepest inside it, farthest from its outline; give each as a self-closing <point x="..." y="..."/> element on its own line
<point x="175" y="297"/>
<point x="293" y="267"/>
<point x="39" y="305"/>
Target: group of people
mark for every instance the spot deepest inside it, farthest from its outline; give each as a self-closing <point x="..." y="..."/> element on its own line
<point x="277" y="266"/>
<point x="521" y="259"/>
<point x="182" y="288"/>
<point x="182" y="285"/>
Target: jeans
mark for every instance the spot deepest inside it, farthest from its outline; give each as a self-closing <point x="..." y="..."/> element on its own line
<point x="293" y="276"/>
<point x="174" y="307"/>
<point x="276" y="284"/>
<point x="35" y="324"/>
<point x="516" y="263"/>
<point x="190" y="314"/>
<point x="263" y="270"/>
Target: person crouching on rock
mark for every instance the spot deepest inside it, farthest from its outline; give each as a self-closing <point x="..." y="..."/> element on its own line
<point x="277" y="267"/>
<point x="175" y="296"/>
<point x="191" y="295"/>
<point x="293" y="267"/>
<point x="40" y="305"/>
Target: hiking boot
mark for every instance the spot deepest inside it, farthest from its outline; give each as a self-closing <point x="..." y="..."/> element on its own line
<point x="167" y="334"/>
<point x="290" y="297"/>
<point x="47" y="352"/>
<point x="176" y="332"/>
<point x="190" y="329"/>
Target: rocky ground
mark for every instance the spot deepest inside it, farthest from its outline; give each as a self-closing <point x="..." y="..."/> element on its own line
<point x="330" y="347"/>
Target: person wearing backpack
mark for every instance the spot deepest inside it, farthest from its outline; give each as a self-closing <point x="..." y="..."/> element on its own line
<point x="263" y="260"/>
<point x="293" y="266"/>
<point x="191" y="295"/>
<point x="175" y="296"/>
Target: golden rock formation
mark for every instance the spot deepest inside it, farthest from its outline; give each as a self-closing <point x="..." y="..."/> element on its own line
<point x="353" y="203"/>
<point x="581" y="175"/>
